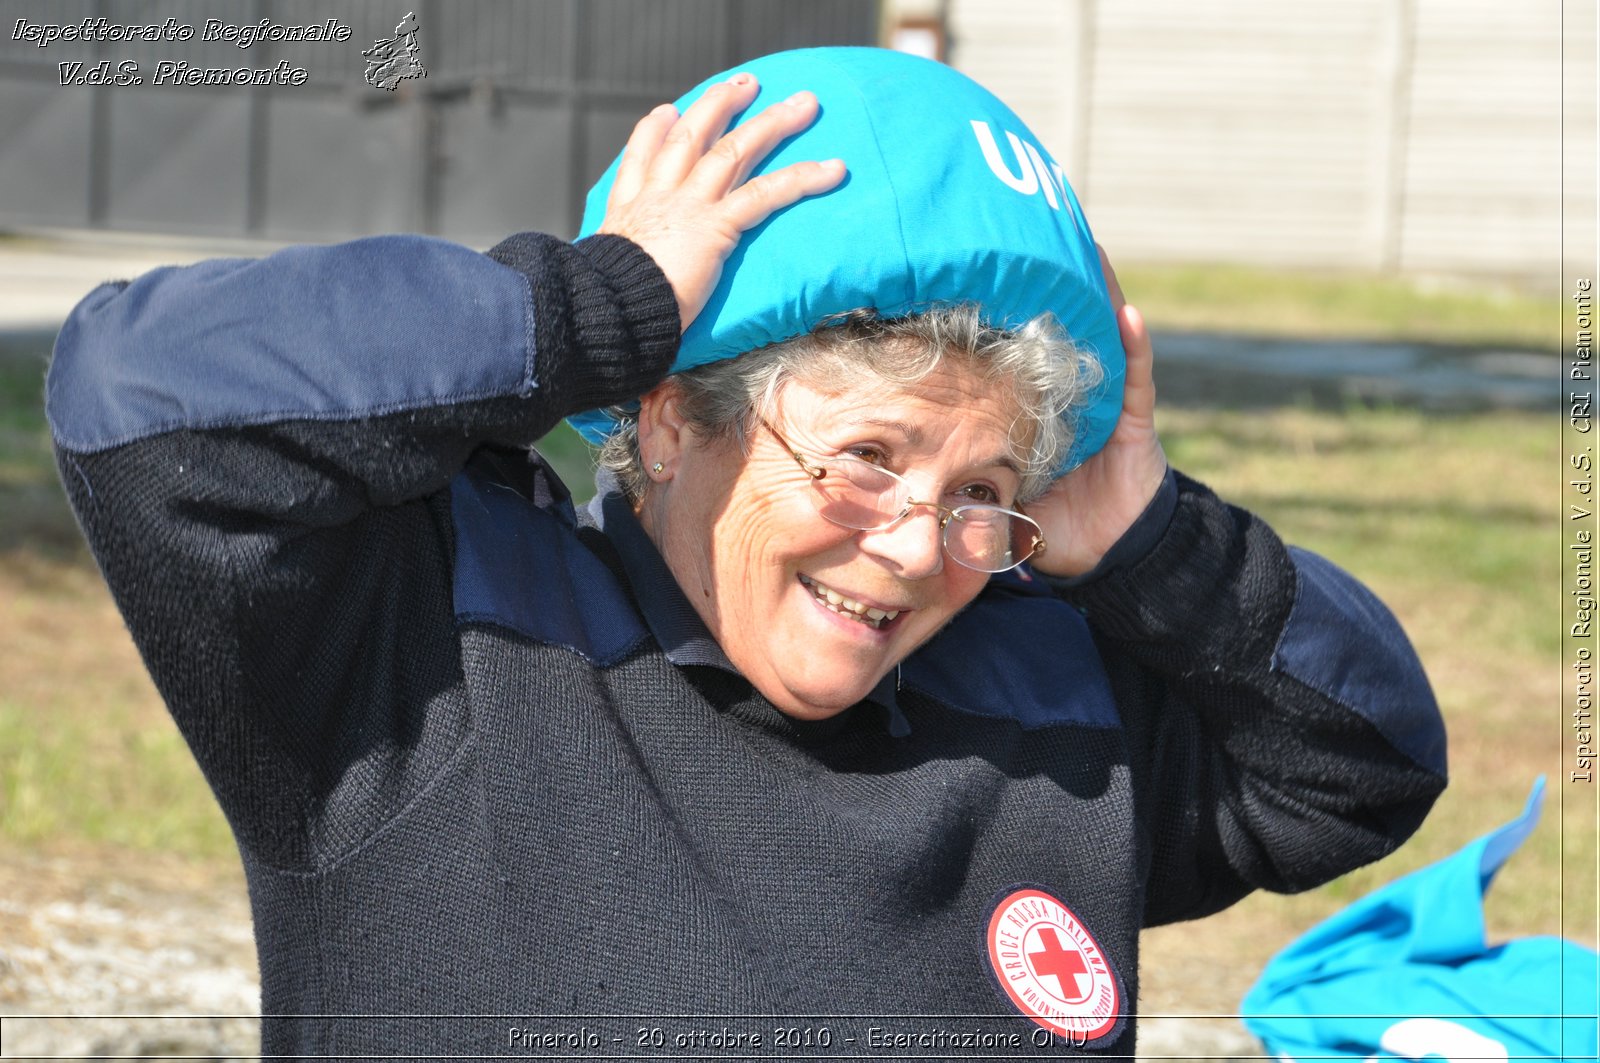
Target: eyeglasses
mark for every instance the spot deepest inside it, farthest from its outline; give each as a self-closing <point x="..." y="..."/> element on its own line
<point x="854" y="493"/>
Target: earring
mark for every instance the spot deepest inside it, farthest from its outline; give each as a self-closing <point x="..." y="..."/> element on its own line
<point x="657" y="468"/>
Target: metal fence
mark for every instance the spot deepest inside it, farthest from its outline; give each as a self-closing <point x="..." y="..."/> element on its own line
<point x="523" y="104"/>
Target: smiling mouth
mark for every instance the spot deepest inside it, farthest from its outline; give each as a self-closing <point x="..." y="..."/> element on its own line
<point x="828" y="598"/>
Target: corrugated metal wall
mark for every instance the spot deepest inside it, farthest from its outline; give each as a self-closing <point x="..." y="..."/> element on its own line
<point x="1420" y="135"/>
<point x="523" y="105"/>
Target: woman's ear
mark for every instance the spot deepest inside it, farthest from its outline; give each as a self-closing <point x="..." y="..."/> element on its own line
<point x="664" y="432"/>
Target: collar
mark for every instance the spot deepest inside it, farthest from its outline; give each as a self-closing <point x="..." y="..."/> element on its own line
<point x="669" y="614"/>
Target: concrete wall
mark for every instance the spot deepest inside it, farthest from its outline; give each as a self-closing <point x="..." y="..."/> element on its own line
<point x="1416" y="135"/>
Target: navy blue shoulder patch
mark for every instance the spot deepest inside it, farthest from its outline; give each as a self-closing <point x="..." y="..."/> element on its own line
<point x="327" y="333"/>
<point x="1376" y="676"/>
<point x="1017" y="652"/>
<point x="519" y="563"/>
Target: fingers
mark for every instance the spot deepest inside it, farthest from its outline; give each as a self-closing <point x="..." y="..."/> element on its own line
<point x="732" y="158"/>
<point x="687" y="142"/>
<point x="666" y="150"/>
<point x="643" y="143"/>
<point x="1139" y="384"/>
<point x="749" y="205"/>
<point x="683" y="193"/>
<point x="1110" y="275"/>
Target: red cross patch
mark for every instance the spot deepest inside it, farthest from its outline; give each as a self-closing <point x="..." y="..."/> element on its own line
<point x="1048" y="964"/>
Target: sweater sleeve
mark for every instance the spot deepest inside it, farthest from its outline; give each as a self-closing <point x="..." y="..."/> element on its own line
<point x="259" y="453"/>
<point x="1280" y="720"/>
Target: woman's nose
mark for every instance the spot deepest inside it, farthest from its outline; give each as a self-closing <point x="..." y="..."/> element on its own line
<point x="912" y="546"/>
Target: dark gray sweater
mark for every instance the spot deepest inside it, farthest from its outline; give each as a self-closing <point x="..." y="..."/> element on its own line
<point x="481" y="758"/>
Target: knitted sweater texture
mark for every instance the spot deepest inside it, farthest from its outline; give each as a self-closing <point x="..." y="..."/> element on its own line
<point x="492" y="781"/>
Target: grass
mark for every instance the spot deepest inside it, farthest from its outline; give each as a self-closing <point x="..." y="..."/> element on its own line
<point x="1449" y="520"/>
<point x="1253" y="300"/>
<point x="87" y="753"/>
<point x="572" y="459"/>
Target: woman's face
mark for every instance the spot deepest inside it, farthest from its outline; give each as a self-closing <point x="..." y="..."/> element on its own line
<point x="748" y="546"/>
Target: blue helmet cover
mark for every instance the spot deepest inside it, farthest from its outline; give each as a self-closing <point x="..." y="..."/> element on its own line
<point x="949" y="199"/>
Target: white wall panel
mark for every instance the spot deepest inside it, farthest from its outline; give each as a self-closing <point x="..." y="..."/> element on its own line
<point x="1412" y="134"/>
<point x="1036" y="57"/>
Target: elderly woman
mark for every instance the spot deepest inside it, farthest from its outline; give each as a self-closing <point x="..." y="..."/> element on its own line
<point x="838" y="704"/>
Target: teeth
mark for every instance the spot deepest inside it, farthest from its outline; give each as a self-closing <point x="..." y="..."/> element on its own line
<point x="871" y="616"/>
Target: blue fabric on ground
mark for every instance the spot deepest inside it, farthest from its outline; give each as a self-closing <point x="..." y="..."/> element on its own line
<point x="1405" y="973"/>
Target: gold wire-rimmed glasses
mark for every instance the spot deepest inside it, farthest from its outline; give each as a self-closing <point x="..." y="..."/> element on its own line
<point x="854" y="493"/>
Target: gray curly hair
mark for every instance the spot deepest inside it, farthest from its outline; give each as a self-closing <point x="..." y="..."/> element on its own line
<point x="1045" y="373"/>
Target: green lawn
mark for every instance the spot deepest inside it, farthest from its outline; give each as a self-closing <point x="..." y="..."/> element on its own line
<point x="1356" y="305"/>
<point x="1449" y="519"/>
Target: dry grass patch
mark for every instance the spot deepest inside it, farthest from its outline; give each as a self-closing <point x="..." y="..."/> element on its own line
<point x="87" y="751"/>
<point x="1349" y="304"/>
<point x="1454" y="522"/>
<point x="88" y="755"/>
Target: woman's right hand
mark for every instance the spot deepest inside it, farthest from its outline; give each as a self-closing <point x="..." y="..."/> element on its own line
<point x="681" y="192"/>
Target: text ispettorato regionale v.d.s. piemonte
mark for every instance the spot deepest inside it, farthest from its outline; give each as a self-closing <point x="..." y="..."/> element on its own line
<point x="176" y="71"/>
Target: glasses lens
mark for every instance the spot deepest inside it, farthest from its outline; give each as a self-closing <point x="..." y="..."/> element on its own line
<point x="858" y="495"/>
<point x="990" y="539"/>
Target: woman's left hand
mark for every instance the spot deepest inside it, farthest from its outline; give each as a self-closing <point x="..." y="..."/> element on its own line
<point x="1085" y="512"/>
